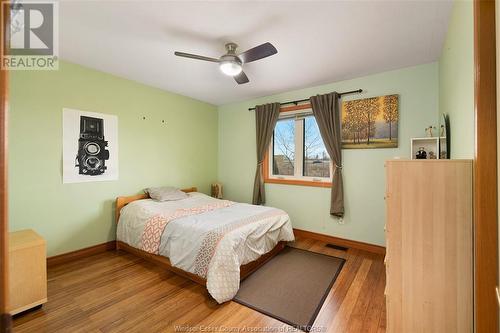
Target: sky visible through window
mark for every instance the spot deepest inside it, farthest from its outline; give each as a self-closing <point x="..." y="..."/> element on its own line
<point x="314" y="148"/>
<point x="284" y="147"/>
<point x="316" y="161"/>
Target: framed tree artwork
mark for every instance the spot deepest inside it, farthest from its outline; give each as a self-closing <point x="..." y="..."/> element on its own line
<point x="370" y="122"/>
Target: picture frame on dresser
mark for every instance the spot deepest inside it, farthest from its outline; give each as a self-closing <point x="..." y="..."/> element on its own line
<point x="445" y="137"/>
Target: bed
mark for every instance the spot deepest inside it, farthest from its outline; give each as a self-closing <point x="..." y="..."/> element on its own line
<point x="213" y="242"/>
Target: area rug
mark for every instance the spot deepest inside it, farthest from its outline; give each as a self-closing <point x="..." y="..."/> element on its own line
<point x="291" y="287"/>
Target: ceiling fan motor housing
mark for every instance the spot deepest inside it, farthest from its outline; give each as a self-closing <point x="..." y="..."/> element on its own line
<point x="230" y="58"/>
<point x="231" y="48"/>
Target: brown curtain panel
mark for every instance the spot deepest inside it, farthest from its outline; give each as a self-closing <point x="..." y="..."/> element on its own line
<point x="266" y="117"/>
<point x="326" y="110"/>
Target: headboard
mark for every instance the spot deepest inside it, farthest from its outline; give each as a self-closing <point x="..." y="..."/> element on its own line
<point x="123" y="201"/>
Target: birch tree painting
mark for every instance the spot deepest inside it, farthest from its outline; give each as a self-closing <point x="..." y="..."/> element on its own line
<point x="370" y="122"/>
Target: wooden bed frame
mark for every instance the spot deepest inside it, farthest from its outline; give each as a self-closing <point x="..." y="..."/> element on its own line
<point x="162" y="261"/>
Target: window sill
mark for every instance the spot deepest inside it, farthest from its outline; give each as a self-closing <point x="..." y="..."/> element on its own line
<point x="297" y="182"/>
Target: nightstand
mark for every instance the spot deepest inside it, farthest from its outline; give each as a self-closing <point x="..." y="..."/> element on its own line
<point x="27" y="271"/>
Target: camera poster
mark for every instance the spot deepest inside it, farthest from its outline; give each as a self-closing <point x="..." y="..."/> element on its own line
<point x="90" y="146"/>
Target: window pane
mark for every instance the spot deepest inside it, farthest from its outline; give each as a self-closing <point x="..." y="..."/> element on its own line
<point x="316" y="159"/>
<point x="284" y="147"/>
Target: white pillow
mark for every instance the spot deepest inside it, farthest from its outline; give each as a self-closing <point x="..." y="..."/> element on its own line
<point x="165" y="193"/>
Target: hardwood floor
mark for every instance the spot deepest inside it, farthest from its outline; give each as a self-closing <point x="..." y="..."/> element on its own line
<point x="117" y="292"/>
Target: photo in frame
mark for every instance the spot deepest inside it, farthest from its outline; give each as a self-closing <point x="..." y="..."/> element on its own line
<point x="90" y="146"/>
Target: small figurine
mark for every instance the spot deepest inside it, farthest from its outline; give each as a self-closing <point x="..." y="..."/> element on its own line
<point x="421" y="154"/>
<point x="432" y="155"/>
<point x="442" y="131"/>
<point x="216" y="191"/>
<point x="429" y="130"/>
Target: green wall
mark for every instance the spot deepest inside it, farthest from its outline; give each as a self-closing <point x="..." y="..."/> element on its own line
<point x="199" y="145"/>
<point x="456" y="79"/>
<point x="364" y="178"/>
<point x="73" y="216"/>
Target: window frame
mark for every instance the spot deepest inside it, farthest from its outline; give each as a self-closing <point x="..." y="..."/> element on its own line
<point x="299" y="151"/>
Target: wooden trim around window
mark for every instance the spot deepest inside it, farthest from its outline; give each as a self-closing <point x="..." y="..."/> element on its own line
<point x="269" y="180"/>
<point x="296" y="107"/>
<point x="485" y="168"/>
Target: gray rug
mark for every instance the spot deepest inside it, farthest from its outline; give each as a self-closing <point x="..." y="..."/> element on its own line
<point x="291" y="287"/>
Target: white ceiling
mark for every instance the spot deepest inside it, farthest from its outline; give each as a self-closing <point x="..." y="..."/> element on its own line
<point x="317" y="42"/>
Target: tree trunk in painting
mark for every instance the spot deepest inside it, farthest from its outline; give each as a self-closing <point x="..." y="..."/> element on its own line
<point x="369" y="108"/>
<point x="390" y="112"/>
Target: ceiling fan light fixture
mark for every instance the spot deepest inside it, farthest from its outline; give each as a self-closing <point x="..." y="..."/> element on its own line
<point x="230" y="68"/>
<point x="231" y="63"/>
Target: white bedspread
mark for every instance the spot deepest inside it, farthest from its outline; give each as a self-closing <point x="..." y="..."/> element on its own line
<point x="213" y="244"/>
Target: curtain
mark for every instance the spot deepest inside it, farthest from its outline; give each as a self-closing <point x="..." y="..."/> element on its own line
<point x="266" y="117"/>
<point x="326" y="110"/>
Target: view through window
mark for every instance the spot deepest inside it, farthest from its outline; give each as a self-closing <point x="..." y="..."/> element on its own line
<point x="284" y="148"/>
<point x="316" y="159"/>
<point x="298" y="149"/>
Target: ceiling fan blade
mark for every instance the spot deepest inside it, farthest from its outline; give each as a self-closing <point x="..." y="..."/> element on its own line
<point x="195" y="56"/>
<point x="258" y="52"/>
<point x="241" y="78"/>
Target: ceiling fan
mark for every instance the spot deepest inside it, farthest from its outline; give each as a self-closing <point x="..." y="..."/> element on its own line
<point x="231" y="63"/>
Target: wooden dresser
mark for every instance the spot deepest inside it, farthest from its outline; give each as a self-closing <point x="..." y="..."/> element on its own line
<point x="429" y="257"/>
<point x="27" y="271"/>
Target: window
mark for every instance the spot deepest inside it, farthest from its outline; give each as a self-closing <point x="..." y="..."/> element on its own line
<point x="297" y="154"/>
<point x="316" y="159"/>
<point x="284" y="148"/>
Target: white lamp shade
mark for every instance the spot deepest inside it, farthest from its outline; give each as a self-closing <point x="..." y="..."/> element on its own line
<point x="230" y="68"/>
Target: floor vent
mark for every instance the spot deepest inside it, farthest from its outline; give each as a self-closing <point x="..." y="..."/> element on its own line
<point x="336" y="247"/>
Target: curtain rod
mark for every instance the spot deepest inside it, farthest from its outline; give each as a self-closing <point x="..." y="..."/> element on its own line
<point x="307" y="99"/>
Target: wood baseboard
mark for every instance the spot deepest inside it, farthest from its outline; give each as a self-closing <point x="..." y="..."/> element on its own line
<point x="82" y="253"/>
<point x="339" y="241"/>
<point x="111" y="245"/>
